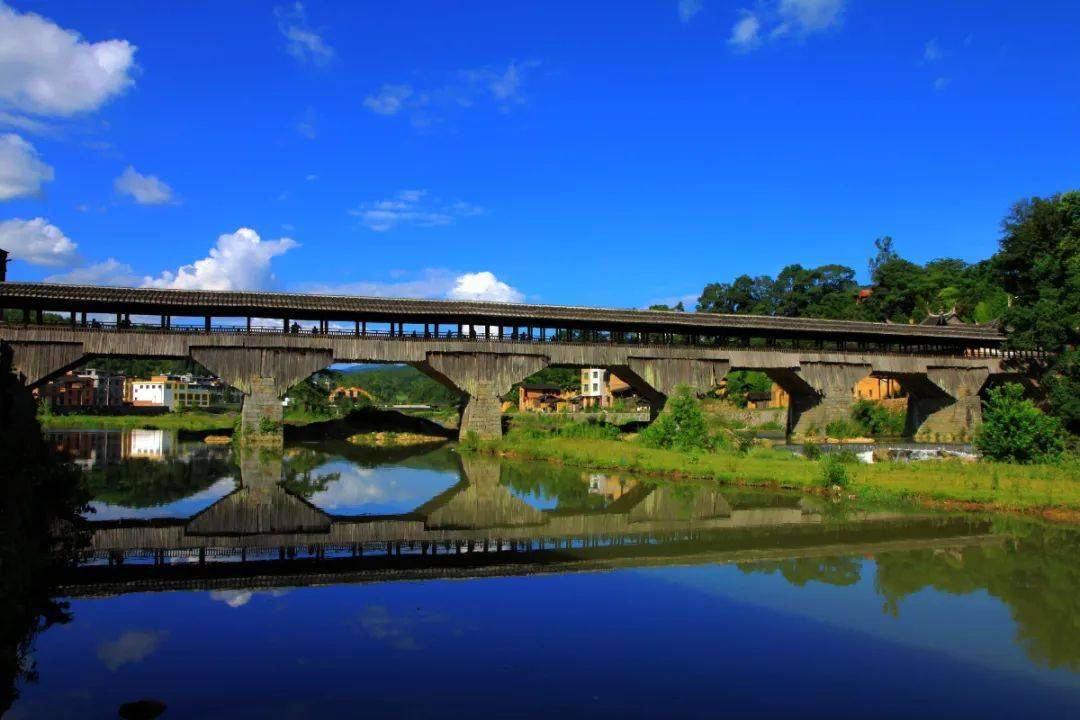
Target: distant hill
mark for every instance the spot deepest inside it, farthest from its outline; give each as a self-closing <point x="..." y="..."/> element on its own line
<point x="394" y="384"/>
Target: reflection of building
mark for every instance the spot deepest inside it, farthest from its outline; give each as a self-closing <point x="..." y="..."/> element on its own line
<point x="610" y="487"/>
<point x="84" y="388"/>
<point x="600" y="387"/>
<point x="150" y="444"/>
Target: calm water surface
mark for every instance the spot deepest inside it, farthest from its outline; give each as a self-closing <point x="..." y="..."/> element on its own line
<point x="337" y="582"/>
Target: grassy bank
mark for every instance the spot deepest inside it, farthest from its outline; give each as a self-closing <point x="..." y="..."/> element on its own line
<point x="179" y="421"/>
<point x="992" y="486"/>
<point x="187" y="421"/>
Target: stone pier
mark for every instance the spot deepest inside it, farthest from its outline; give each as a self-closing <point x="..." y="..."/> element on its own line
<point x="483" y="378"/>
<point x="264" y="375"/>
<point x="657" y="379"/>
<point x="944" y="405"/>
<point x="820" y="393"/>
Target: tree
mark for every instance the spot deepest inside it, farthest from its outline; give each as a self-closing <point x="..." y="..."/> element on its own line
<point x="1014" y="430"/>
<point x="681" y="426"/>
<point x="740" y="383"/>
<point x="1039" y="266"/>
<point x="885" y="253"/>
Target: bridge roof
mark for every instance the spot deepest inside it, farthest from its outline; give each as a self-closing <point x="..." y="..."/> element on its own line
<point x="155" y="301"/>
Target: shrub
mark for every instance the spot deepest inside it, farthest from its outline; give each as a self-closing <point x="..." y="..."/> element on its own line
<point x="834" y="471"/>
<point x="589" y="430"/>
<point x="842" y="428"/>
<point x="1014" y="430"/>
<point x="680" y="427"/>
<point x="875" y="419"/>
<point x="811" y="451"/>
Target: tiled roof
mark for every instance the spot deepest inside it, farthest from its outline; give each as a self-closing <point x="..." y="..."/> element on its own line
<point x="346" y="307"/>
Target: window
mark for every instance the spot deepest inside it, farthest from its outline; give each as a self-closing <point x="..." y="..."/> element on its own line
<point x="596" y="387"/>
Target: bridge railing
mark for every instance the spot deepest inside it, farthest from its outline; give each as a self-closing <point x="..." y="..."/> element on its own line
<point x="633" y="339"/>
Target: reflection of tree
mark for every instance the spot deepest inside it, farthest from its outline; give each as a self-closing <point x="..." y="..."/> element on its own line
<point x="38" y="498"/>
<point x="299" y="475"/>
<point x="842" y="571"/>
<point x="551" y="482"/>
<point x="142" y="482"/>
<point x="1037" y="575"/>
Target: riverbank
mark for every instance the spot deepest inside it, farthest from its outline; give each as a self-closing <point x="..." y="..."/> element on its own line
<point x="1051" y="491"/>
<point x="189" y="422"/>
<point x="181" y="421"/>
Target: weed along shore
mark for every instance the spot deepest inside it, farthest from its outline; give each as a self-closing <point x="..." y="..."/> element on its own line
<point x="680" y="445"/>
<point x="1043" y="489"/>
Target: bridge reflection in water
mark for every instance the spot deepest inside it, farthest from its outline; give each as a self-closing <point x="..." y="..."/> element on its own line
<point x="262" y="534"/>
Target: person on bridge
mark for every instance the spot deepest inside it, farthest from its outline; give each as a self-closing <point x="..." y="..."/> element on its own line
<point x="295" y="329"/>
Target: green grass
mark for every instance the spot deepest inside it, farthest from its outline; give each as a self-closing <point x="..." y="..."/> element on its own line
<point x="188" y="421"/>
<point x="998" y="486"/>
<point x="194" y="421"/>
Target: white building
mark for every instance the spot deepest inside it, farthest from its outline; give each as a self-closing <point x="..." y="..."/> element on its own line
<point x="171" y="392"/>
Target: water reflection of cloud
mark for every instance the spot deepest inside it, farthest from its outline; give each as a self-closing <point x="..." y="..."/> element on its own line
<point x="132" y="646"/>
<point x="399" y="631"/>
<point x="179" y="508"/>
<point x="240" y="598"/>
<point x="379" y="490"/>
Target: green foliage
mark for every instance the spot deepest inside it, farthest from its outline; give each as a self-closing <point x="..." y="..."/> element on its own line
<point x="268" y="426"/>
<point x="842" y="428"/>
<point x="833" y="471"/>
<point x="680" y="427"/>
<point x="811" y="451"/>
<point x="1039" y="265"/>
<point x="1014" y="430"/>
<point x="740" y="383"/>
<point x="589" y="429"/>
<point x="825" y="291"/>
<point x="877" y="420"/>
<point x="396" y="385"/>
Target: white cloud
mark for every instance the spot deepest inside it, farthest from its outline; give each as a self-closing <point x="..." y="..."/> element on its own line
<point x="390" y="100"/>
<point x="307" y="125"/>
<point x="430" y="283"/>
<point x="483" y="286"/>
<point x="941" y="83"/>
<point x="239" y="261"/>
<point x="744" y="34"/>
<point x="500" y="86"/>
<point x="240" y="598"/>
<point x="144" y="189"/>
<point x="302" y="42"/>
<point x="22" y="171"/>
<point x="111" y="272"/>
<point x="782" y="18"/>
<point x="412" y="207"/>
<point x="688" y="9"/>
<point x="811" y="15"/>
<point x="39" y="243"/>
<point x="47" y="70"/>
<point x="932" y="51"/>
<point x="132" y="646"/>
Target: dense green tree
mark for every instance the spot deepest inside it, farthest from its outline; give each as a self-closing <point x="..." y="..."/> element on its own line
<point x="1014" y="430"/>
<point x="1039" y="266"/>
<point x="740" y="383"/>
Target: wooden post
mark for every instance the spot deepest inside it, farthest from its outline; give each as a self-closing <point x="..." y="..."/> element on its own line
<point x="248" y="324"/>
<point x="206" y="323"/>
<point x="363" y="328"/>
<point x="357" y="328"/>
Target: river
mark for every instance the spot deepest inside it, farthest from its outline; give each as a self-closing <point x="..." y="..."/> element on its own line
<point x="334" y="581"/>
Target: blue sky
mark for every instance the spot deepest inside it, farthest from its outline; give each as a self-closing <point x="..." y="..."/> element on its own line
<point x="588" y="153"/>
